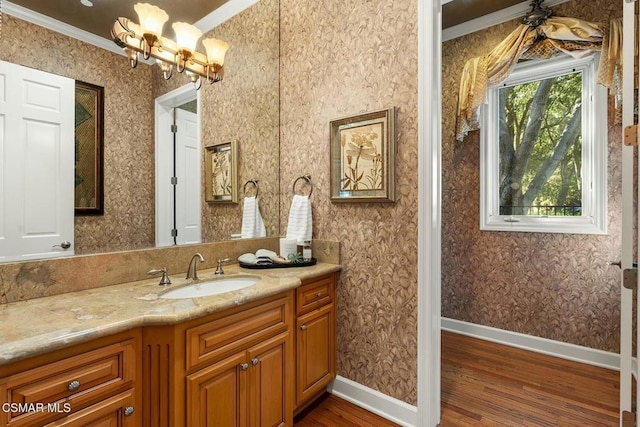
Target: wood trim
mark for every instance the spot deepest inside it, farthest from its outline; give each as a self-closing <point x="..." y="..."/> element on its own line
<point x="309" y="351"/>
<point x="214" y="339"/>
<point x="68" y="359"/>
<point x="315" y="294"/>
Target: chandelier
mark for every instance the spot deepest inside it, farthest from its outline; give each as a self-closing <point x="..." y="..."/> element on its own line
<point x="146" y="39"/>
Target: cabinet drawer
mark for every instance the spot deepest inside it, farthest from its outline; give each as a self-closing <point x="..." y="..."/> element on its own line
<point x="72" y="383"/>
<point x="221" y="337"/>
<point x="116" y="411"/>
<point x="313" y="295"/>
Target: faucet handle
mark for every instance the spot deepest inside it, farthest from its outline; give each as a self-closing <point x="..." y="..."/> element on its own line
<point x="219" y="270"/>
<point x="164" y="281"/>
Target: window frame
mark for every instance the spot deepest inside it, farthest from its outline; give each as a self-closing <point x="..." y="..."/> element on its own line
<point x="594" y="153"/>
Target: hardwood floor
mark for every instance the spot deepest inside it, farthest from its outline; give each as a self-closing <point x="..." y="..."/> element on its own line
<point x="333" y="411"/>
<point x="487" y="384"/>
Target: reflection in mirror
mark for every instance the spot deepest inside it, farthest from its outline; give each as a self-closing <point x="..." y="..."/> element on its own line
<point x="243" y="107"/>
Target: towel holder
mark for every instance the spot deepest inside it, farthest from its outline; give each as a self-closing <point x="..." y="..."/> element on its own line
<point x="306" y="178"/>
<point x="255" y="185"/>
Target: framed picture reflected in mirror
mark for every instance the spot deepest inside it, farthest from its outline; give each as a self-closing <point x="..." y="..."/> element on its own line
<point x="221" y="173"/>
<point x="89" y="144"/>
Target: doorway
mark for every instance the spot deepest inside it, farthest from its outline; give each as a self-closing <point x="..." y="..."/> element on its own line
<point x="178" y="167"/>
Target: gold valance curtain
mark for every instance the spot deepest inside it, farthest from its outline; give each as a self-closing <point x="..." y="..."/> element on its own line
<point x="557" y="35"/>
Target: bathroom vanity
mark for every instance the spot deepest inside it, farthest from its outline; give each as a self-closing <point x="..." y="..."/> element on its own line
<point x="121" y="356"/>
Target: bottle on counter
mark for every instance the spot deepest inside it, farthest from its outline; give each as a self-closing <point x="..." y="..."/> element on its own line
<point x="306" y="251"/>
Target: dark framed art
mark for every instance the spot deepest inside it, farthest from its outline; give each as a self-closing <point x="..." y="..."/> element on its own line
<point x="89" y="144"/>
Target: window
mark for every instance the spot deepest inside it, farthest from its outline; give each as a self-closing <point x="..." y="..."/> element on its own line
<point x="544" y="150"/>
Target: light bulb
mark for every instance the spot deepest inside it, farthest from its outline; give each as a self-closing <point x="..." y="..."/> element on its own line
<point x="186" y="36"/>
<point x="151" y="17"/>
<point x="216" y="49"/>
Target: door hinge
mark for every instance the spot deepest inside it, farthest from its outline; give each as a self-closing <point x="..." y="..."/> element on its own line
<point x="174" y="232"/>
<point x="174" y="180"/>
<point x="628" y="419"/>
<point x="631" y="135"/>
<point x="630" y="278"/>
<point x="174" y="128"/>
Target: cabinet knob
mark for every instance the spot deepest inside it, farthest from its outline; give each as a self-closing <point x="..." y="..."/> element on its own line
<point x="255" y="361"/>
<point x="303" y="327"/>
<point x="128" y="411"/>
<point x="73" y="385"/>
<point x="244" y="366"/>
<point x="319" y="294"/>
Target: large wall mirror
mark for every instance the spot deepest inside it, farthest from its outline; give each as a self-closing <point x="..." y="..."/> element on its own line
<point x="243" y="108"/>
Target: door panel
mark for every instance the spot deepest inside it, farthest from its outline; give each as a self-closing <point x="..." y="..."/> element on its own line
<point x="188" y="173"/>
<point x="267" y="401"/>
<point x="216" y="395"/>
<point x="37" y="148"/>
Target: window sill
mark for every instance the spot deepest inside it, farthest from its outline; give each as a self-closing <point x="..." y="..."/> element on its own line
<point x="530" y="224"/>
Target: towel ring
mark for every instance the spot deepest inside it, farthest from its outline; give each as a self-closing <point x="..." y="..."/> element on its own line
<point x="255" y="185"/>
<point x="306" y="178"/>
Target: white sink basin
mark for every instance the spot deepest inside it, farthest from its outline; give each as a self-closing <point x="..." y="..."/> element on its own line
<point x="212" y="287"/>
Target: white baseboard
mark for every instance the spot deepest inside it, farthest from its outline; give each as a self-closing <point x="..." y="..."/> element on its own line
<point x="373" y="401"/>
<point x="576" y="353"/>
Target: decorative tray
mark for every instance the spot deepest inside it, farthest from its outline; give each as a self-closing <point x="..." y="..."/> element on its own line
<point x="274" y="265"/>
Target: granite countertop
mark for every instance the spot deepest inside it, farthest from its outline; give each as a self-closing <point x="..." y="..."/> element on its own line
<point x="37" y="326"/>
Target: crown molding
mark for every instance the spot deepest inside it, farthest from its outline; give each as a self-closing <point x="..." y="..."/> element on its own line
<point x="59" y="27"/>
<point x="495" y="18"/>
<point x="212" y="20"/>
<point x="223" y="13"/>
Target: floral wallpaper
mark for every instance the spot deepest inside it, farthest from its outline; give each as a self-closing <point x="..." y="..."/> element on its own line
<point x="343" y="58"/>
<point x="242" y="107"/>
<point x="555" y="286"/>
<point x="128" y="220"/>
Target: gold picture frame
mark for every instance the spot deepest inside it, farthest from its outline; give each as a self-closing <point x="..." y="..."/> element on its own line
<point x="221" y="173"/>
<point x="363" y="156"/>
<point x="89" y="141"/>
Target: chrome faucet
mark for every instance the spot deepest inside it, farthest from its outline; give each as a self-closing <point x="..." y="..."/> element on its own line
<point x="219" y="270"/>
<point x="164" y="281"/>
<point x="191" y="271"/>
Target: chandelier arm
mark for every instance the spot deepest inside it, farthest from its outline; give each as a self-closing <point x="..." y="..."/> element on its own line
<point x="168" y="72"/>
<point x="146" y="48"/>
<point x="179" y="59"/>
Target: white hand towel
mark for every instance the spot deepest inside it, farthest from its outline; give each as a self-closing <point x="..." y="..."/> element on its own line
<point x="300" y="223"/>
<point x="252" y="223"/>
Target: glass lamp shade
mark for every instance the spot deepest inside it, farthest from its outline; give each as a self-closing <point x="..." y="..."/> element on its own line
<point x="186" y="36"/>
<point x="151" y="17"/>
<point x="216" y="49"/>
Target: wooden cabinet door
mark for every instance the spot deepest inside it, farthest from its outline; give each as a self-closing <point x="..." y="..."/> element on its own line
<point x="217" y="394"/>
<point x="315" y="352"/>
<point x="268" y="366"/>
<point x="116" y="411"/>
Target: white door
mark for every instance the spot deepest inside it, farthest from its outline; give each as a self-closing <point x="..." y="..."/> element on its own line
<point x="178" y="158"/>
<point x="188" y="174"/>
<point x="37" y="158"/>
<point x="628" y="210"/>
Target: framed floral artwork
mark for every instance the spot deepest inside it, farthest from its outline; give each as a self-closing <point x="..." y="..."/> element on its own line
<point x="363" y="154"/>
<point x="221" y="173"/>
